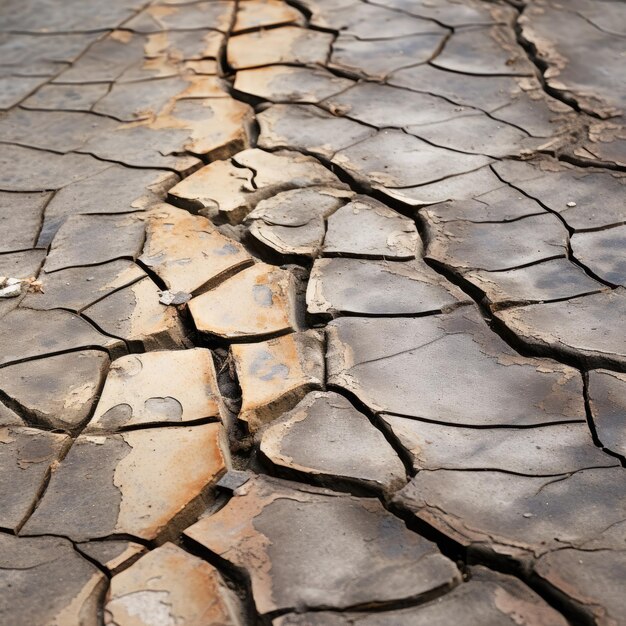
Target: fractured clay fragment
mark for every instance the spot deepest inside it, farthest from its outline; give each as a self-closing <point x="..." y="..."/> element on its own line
<point x="325" y="439"/>
<point x="441" y="366"/>
<point x="20" y="219"/>
<point x="163" y="387"/>
<point x="260" y="300"/>
<point x="187" y="252"/>
<point x="367" y="228"/>
<point x="26" y="456"/>
<point x="603" y="253"/>
<point x="115" y="555"/>
<point x="170" y="584"/>
<point x="67" y="587"/>
<point x="274" y="375"/>
<point x="144" y="483"/>
<point x="291" y="540"/>
<point x="167" y="16"/>
<point x="264" y="13"/>
<point x="58" y="391"/>
<point x="371" y="287"/>
<point x="607" y="402"/>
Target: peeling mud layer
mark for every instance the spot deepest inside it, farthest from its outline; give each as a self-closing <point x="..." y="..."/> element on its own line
<point x="312" y="312"/>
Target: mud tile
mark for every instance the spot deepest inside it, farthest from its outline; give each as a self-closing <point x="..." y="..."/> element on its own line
<point x="306" y="128"/>
<point x="394" y="159"/>
<point x="258" y="301"/>
<point x="66" y="97"/>
<point x="187" y="252"/>
<point x="545" y="450"/>
<point x="157" y="388"/>
<point x="325" y="438"/>
<point x="463" y="245"/>
<point x="367" y="228"/>
<point x="164" y="16"/>
<point x="487" y="598"/>
<point x="9" y="417"/>
<point x="264" y="13"/>
<point x="285" y="83"/>
<point x="14" y="89"/>
<point x="226" y="190"/>
<point x="22" y="265"/>
<point x="144" y="483"/>
<point x="557" y="279"/>
<point x="135" y="315"/>
<point x="115" y="555"/>
<point x="58" y="391"/>
<point x="379" y="58"/>
<point x="603" y="253"/>
<point x="441" y="366"/>
<point x="26" y="456"/>
<point x="67" y="587"/>
<point x="193" y="45"/>
<point x="314" y="529"/>
<point x="591" y="580"/>
<point x="168" y="583"/>
<point x="518" y="517"/>
<point x="389" y="288"/>
<point x="607" y="400"/>
<point x="94" y="239"/>
<point x="289" y="44"/>
<point x="77" y="288"/>
<point x="592" y="199"/>
<point x="276" y="374"/>
<point x="26" y="334"/>
<point x="293" y="222"/>
<point x="584" y="328"/>
<point x="20" y="219"/>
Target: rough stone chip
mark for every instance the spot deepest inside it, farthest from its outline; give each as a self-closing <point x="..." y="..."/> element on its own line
<point x="325" y="438"/>
<point x="449" y="368"/>
<point x="274" y="375"/>
<point x="607" y="401"/>
<point x="165" y="387"/>
<point x="367" y="228"/>
<point x="603" y="253"/>
<point x="144" y="483"/>
<point x="293" y="540"/>
<point x="187" y="252"/>
<point x="260" y="300"/>
<point x="170" y="585"/>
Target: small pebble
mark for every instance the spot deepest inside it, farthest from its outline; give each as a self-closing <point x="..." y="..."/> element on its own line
<point x="571" y="204"/>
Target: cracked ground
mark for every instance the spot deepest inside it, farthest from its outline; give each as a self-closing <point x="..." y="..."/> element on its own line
<point x="312" y="313"/>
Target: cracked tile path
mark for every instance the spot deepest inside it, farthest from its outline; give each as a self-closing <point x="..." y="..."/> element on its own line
<point x="312" y="312"/>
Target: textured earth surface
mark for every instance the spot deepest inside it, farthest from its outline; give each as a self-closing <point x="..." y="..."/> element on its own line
<point x="312" y="313"/>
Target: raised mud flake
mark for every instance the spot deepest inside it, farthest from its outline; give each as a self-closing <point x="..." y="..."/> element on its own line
<point x="9" y="417"/>
<point x="26" y="456"/>
<point x="45" y="581"/>
<point x="591" y="580"/>
<point x="293" y="542"/>
<point x="95" y="239"/>
<point x="603" y="253"/>
<point x="293" y="222"/>
<point x="285" y="83"/>
<point x="263" y="13"/>
<point x="27" y="334"/>
<point x="489" y="599"/>
<point x="187" y="252"/>
<point x="462" y="245"/>
<point x="305" y="127"/>
<point x="440" y="367"/>
<point x="136" y="315"/>
<point x="20" y="219"/>
<point x="165" y="16"/>
<point x="557" y="279"/>
<point x="607" y="401"/>
<point x="379" y="287"/>
<point x="164" y="387"/>
<point x="289" y="44"/>
<point x="367" y="228"/>
<point x="519" y="517"/>
<point x="115" y="554"/>
<point x="327" y="440"/>
<point x="540" y="451"/>
<point x="59" y="391"/>
<point x="258" y="301"/>
<point x="586" y="328"/>
<point x="378" y="58"/>
<point x="171" y="585"/>
<point x="587" y="199"/>
<point x="276" y="374"/>
<point x="145" y="483"/>
<point x="394" y="159"/>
